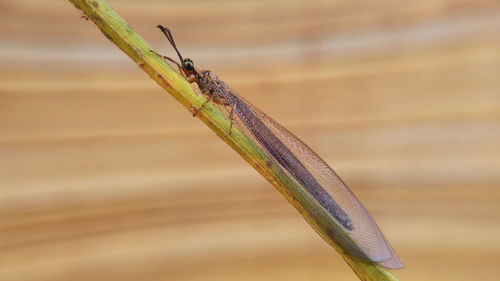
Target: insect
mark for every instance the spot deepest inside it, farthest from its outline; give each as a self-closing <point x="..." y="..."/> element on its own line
<point x="363" y="236"/>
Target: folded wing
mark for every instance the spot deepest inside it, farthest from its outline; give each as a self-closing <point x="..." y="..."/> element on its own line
<point x="365" y="233"/>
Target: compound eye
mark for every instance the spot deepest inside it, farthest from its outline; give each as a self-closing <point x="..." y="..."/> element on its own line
<point x="188" y="65"/>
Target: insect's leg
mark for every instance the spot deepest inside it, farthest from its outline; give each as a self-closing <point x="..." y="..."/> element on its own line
<point x="170" y="59"/>
<point x="197" y="110"/>
<point x="230" y="119"/>
<point x="165" y="57"/>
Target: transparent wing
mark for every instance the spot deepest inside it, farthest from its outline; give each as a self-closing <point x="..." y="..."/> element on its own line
<point x="366" y="233"/>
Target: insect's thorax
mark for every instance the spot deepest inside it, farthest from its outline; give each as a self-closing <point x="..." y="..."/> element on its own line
<point x="211" y="86"/>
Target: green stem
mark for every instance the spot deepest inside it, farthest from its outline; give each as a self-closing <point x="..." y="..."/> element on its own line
<point x="123" y="36"/>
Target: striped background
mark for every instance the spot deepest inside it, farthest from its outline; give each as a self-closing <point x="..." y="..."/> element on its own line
<point x="103" y="176"/>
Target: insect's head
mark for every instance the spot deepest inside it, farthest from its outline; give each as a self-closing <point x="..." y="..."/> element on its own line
<point x="187" y="64"/>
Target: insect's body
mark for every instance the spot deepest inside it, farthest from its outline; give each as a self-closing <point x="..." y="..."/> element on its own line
<point x="357" y="231"/>
<point x="215" y="89"/>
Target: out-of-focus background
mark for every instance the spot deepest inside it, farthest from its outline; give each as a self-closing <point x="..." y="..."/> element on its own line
<point x="104" y="176"/>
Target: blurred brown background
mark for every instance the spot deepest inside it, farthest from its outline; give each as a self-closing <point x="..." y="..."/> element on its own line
<point x="103" y="176"/>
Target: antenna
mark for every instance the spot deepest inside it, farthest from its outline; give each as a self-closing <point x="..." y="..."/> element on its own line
<point x="170" y="38"/>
